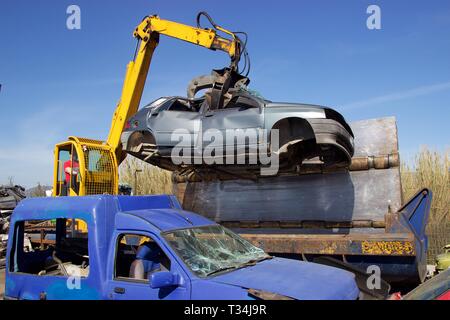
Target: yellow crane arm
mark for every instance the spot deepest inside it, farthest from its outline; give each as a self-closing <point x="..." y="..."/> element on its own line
<point x="147" y="33"/>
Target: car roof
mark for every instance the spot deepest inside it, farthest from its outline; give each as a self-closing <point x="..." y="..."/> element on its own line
<point x="162" y="211"/>
<point x="170" y="219"/>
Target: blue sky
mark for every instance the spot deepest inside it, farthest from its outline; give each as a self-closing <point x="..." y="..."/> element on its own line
<point x="58" y="82"/>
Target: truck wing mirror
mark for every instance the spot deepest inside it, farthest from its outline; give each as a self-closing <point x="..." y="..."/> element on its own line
<point x="163" y="279"/>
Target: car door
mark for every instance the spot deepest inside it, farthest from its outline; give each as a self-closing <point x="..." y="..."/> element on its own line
<point x="241" y="120"/>
<point x="124" y="285"/>
<point x="171" y="118"/>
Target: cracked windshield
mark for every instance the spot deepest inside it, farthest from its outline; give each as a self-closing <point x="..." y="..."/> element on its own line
<point x="213" y="249"/>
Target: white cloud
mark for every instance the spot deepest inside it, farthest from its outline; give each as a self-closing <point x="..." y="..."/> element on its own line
<point x="402" y="95"/>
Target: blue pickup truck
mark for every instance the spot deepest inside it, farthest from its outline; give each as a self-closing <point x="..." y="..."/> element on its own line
<point x="147" y="247"/>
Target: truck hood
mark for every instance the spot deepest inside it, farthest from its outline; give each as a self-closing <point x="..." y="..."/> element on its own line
<point x="295" y="279"/>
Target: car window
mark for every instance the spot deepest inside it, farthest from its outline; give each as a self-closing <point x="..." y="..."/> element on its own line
<point x="55" y="247"/>
<point x="164" y="106"/>
<point x="156" y="103"/>
<point x="137" y="257"/>
<point x="242" y="102"/>
<point x="181" y="105"/>
<point x="210" y="249"/>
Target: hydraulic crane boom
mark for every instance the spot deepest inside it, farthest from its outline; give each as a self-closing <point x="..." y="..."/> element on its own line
<point x="147" y="33"/>
<point x="85" y="166"/>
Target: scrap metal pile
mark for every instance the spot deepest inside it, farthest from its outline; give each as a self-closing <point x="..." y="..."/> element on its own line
<point x="10" y="196"/>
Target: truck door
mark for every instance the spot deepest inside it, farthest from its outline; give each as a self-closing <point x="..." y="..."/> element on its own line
<point x="138" y="256"/>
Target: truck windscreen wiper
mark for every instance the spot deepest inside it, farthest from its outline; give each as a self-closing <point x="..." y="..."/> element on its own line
<point x="252" y="262"/>
<point x="248" y="263"/>
<point x="220" y="270"/>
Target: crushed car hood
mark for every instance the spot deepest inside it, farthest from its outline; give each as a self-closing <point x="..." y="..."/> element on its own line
<point x="294" y="279"/>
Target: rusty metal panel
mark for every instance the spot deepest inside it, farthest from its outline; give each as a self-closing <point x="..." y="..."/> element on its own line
<point x="337" y="197"/>
<point x="332" y="199"/>
<point x="375" y="137"/>
<point x="379" y="245"/>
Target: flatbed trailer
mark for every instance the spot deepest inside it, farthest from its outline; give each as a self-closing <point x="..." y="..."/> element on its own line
<point x="357" y="216"/>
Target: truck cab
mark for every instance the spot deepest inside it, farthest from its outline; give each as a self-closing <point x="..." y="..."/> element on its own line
<point x="147" y="247"/>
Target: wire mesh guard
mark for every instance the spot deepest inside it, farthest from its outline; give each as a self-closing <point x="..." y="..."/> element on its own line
<point x="100" y="171"/>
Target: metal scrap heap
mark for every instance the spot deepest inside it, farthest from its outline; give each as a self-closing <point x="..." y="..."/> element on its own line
<point x="10" y="196"/>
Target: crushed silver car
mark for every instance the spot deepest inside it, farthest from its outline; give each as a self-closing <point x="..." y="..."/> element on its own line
<point x="305" y="132"/>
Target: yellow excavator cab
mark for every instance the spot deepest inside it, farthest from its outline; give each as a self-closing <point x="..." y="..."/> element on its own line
<point x="77" y="227"/>
<point x="84" y="167"/>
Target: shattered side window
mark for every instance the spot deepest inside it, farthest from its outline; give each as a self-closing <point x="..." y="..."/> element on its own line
<point x="254" y="93"/>
<point x="156" y="103"/>
<point x="212" y="249"/>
